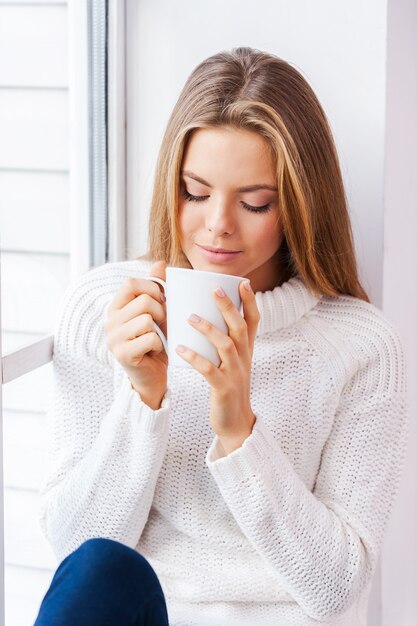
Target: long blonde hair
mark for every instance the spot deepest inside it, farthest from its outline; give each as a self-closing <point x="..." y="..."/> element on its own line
<point x="249" y="89"/>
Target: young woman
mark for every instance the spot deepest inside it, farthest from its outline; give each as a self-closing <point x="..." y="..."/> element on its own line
<point x="258" y="492"/>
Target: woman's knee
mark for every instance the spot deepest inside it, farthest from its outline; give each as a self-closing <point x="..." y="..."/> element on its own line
<point x="106" y="581"/>
<point x="99" y="558"/>
<point x="101" y="549"/>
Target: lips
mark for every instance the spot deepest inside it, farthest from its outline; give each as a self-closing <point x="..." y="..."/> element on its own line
<point x="218" y="257"/>
<point x="218" y="250"/>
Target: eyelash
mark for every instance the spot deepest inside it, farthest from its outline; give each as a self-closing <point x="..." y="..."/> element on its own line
<point x="260" y="209"/>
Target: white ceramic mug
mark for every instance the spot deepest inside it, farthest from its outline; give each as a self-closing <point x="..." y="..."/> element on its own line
<point x="190" y="291"/>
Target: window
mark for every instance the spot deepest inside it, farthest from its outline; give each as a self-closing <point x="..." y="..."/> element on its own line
<point x="54" y="226"/>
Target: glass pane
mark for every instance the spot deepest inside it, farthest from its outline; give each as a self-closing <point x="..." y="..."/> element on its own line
<point x="34" y="161"/>
<point x="29" y="560"/>
<point x="35" y="271"/>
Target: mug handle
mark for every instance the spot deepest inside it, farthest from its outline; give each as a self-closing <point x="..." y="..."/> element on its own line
<point x="157" y="329"/>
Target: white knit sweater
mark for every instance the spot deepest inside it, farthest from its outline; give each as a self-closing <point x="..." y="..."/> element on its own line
<point x="287" y="529"/>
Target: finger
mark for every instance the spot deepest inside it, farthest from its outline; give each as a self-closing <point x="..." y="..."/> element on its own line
<point x="123" y="324"/>
<point x="134" y="328"/>
<point x="144" y="303"/>
<point x="250" y="312"/>
<point x="238" y="331"/>
<point x="134" y="351"/>
<point x="224" y="343"/>
<point x="210" y="372"/>
<point x="130" y="289"/>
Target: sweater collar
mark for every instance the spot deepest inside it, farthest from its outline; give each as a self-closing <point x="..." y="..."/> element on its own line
<point x="284" y="305"/>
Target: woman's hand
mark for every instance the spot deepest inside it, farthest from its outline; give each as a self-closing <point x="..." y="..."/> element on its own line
<point x="231" y="416"/>
<point x="131" y="335"/>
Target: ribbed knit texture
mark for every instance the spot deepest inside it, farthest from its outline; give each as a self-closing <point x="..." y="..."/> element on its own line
<point x="284" y="531"/>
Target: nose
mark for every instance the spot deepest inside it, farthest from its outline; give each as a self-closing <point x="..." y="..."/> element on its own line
<point x="220" y="218"/>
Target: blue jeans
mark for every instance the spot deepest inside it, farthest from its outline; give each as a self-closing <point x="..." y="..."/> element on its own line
<point x="104" y="583"/>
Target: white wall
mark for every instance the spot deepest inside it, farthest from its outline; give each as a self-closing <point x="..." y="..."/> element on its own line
<point x="399" y="566"/>
<point x="338" y="46"/>
<point x="341" y="49"/>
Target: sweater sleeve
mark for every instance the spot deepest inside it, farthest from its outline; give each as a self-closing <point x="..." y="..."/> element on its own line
<point x="106" y="446"/>
<point x="324" y="544"/>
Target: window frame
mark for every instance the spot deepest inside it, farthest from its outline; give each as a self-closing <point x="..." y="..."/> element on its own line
<point x="86" y="249"/>
<point x="92" y="242"/>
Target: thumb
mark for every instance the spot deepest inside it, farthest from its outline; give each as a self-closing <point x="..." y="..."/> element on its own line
<point x="158" y="269"/>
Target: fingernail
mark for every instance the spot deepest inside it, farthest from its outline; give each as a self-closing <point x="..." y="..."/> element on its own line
<point x="247" y="286"/>
<point x="181" y="348"/>
<point x="220" y="292"/>
<point x="194" y="318"/>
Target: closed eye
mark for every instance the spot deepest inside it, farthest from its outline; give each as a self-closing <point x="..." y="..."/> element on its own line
<point x="254" y="209"/>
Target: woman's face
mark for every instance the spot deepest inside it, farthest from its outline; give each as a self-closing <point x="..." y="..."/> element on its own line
<point x="224" y="216"/>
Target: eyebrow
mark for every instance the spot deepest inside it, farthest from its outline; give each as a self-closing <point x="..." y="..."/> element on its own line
<point x="241" y="189"/>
